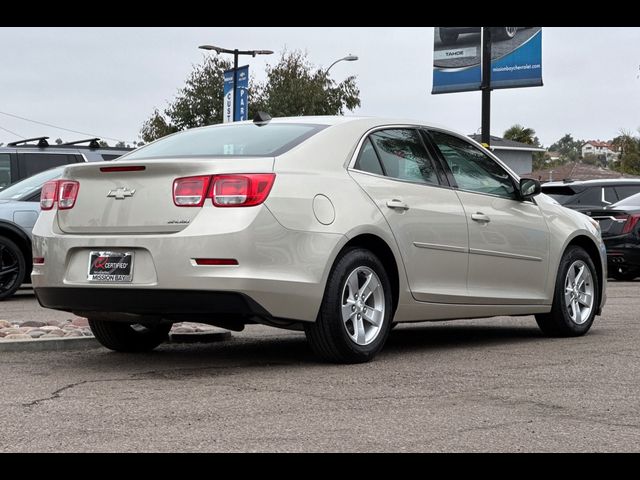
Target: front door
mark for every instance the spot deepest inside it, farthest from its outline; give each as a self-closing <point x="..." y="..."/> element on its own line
<point x="508" y="237"/>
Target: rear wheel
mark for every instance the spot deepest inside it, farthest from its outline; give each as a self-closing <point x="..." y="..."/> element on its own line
<point x="126" y="337"/>
<point x="576" y="296"/>
<point x="505" y="33"/>
<point x="12" y="268"/>
<point x="356" y="311"/>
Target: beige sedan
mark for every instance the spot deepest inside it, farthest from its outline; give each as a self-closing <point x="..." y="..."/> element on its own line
<point x="338" y="226"/>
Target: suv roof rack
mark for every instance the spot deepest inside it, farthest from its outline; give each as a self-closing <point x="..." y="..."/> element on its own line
<point x="42" y="142"/>
<point x="93" y="142"/>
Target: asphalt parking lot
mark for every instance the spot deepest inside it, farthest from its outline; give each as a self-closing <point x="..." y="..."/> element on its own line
<point x="481" y="385"/>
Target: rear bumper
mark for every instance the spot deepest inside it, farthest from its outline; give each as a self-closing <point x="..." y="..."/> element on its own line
<point x="169" y="304"/>
<point x="625" y="256"/>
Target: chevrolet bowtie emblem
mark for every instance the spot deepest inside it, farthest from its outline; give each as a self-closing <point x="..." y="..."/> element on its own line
<point x="121" y="193"/>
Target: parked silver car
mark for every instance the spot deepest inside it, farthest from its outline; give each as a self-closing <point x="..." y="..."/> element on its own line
<point x="339" y="226"/>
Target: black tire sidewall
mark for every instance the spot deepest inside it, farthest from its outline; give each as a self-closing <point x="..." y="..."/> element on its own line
<point x="332" y="303"/>
<point x="573" y="254"/>
<point x="22" y="267"/>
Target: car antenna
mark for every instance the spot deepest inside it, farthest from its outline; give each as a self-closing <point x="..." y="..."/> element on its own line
<point x="261" y="119"/>
<point x="93" y="142"/>
<point x="42" y="142"/>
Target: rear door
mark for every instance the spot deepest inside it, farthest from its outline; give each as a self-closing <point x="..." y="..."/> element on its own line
<point x="508" y="238"/>
<point x="424" y="213"/>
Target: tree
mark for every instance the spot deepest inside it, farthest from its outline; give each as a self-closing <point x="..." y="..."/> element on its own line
<point x="102" y="143"/>
<point x="630" y="163"/>
<point x="58" y="141"/>
<point x="568" y="148"/>
<point x="518" y="133"/>
<point x="293" y="87"/>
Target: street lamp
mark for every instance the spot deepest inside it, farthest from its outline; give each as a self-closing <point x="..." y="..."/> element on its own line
<point x="348" y="58"/>
<point x="236" y="53"/>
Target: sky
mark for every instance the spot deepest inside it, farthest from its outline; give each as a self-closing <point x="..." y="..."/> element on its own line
<point x="105" y="81"/>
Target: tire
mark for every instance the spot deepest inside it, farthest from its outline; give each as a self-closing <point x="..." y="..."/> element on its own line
<point x="505" y="33"/>
<point x="447" y="37"/>
<point x="12" y="268"/>
<point x="564" y="320"/>
<point x="126" y="337"/>
<point x="335" y="336"/>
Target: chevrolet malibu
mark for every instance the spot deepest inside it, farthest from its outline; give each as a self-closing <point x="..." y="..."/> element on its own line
<point x="338" y="226"/>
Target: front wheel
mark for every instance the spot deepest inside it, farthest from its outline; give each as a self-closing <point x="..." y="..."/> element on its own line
<point x="126" y="337"/>
<point x="356" y="311"/>
<point x="575" y="299"/>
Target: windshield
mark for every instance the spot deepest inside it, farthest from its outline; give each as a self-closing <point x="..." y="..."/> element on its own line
<point x="246" y="140"/>
<point x="29" y="186"/>
<point x="632" y="201"/>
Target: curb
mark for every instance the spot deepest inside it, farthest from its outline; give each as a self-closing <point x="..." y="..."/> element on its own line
<point x="49" y="344"/>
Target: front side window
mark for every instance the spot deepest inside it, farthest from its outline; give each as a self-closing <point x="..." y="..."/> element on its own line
<point x="403" y="155"/>
<point x="472" y="169"/>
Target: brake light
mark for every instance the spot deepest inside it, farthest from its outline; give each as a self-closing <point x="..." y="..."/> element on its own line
<point x="128" y="168"/>
<point x="49" y="195"/>
<point x="245" y="190"/>
<point x="190" y="191"/>
<point x="631" y="223"/>
<point x="67" y="193"/>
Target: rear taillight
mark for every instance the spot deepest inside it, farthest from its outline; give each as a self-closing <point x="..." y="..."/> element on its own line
<point x="190" y="191"/>
<point x="49" y="195"/>
<point x="241" y="190"/>
<point x="65" y="192"/>
<point x="237" y="190"/>
<point x="631" y="223"/>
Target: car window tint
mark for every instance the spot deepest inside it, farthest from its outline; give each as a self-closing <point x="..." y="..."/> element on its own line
<point x="403" y="155"/>
<point x="5" y="170"/>
<point x="473" y="169"/>
<point x="591" y="196"/>
<point x="31" y="163"/>
<point x="625" y="191"/>
<point x="368" y="159"/>
<point x="610" y="195"/>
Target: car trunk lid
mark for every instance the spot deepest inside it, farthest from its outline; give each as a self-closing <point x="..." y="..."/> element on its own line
<point x="137" y="196"/>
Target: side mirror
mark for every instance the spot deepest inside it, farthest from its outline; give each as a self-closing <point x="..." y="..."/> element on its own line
<point x="529" y="188"/>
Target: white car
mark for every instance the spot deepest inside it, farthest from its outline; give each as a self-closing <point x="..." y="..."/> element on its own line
<point x="341" y="226"/>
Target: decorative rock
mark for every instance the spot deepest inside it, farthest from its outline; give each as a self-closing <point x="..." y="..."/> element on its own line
<point x="73" y="333"/>
<point x="183" y="329"/>
<point x="49" y="328"/>
<point x="33" y="323"/>
<point x="87" y="332"/>
<point x="36" y="333"/>
<point x="10" y="331"/>
<point x="5" y="324"/>
<point x="54" y="333"/>
<point x="17" y="336"/>
<point x="80" y="322"/>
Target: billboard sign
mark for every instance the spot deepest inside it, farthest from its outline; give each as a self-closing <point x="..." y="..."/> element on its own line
<point x="516" y="58"/>
<point x="241" y="110"/>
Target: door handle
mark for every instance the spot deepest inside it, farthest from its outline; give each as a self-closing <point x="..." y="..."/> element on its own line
<point x="397" y="204"/>
<point x="480" y="217"/>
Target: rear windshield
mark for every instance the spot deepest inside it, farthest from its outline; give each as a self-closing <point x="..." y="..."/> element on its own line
<point x="246" y="140"/>
<point x="560" y="194"/>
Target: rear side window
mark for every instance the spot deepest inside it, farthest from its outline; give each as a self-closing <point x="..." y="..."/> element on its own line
<point x="246" y="140"/>
<point x="625" y="191"/>
<point x="610" y="195"/>
<point x="368" y="159"/>
<point x="107" y="157"/>
<point x="5" y="170"/>
<point x="31" y="163"/>
<point x="591" y="196"/>
<point x="403" y="155"/>
<point x="562" y="195"/>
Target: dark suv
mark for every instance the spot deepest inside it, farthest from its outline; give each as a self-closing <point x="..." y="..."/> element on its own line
<point x="588" y="195"/>
<point x="22" y="159"/>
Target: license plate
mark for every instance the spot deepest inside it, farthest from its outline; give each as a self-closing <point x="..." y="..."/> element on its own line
<point x="110" y="267"/>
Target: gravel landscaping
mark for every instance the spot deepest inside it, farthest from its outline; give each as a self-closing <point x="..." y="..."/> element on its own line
<point x="73" y="327"/>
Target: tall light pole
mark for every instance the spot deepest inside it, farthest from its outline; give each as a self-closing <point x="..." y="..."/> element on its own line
<point x="236" y="53"/>
<point x="348" y="58"/>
